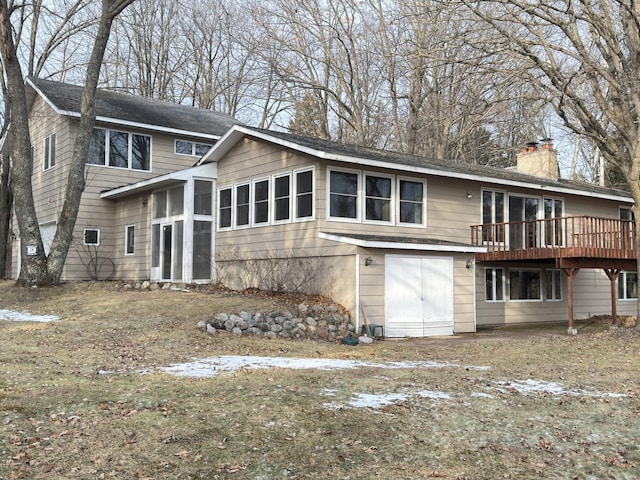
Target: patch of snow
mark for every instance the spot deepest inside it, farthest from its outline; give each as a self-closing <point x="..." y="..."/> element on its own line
<point x="12" y="316"/>
<point x="553" y="388"/>
<point x="209" y="367"/>
<point x="434" y="395"/>
<point x="375" y="400"/>
<point x="482" y="395"/>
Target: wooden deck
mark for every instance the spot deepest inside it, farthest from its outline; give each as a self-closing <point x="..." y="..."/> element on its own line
<point x="580" y="242"/>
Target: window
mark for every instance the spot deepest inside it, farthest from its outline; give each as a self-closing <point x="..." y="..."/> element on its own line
<point x="129" y="240"/>
<point x="119" y="149"/>
<point x="524" y="284"/>
<point x="260" y="202"/>
<point x="626" y="213"/>
<point x="553" y="280"/>
<point x="553" y="235"/>
<point x="202" y="197"/>
<point x="628" y="286"/>
<point x="343" y="195"/>
<point x="494" y="284"/>
<point x="224" y="208"/>
<point x="185" y="147"/>
<point x="282" y="198"/>
<point x="378" y="192"/>
<point x="412" y="197"/>
<point x="242" y="205"/>
<point x="91" y="236"/>
<point x="50" y="151"/>
<point x="304" y="194"/>
<point x="492" y="214"/>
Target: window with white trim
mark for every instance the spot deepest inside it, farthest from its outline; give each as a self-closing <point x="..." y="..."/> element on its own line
<point x="186" y="147"/>
<point x="524" y="284"/>
<point x="553" y="281"/>
<point x="261" y="202"/>
<point x="282" y="198"/>
<point x="119" y="149"/>
<point x="378" y="193"/>
<point x="242" y="206"/>
<point x="628" y="286"/>
<point x="494" y="284"/>
<point x="279" y="199"/>
<point x="411" y="201"/>
<point x="202" y="194"/>
<point x="303" y="187"/>
<point x="343" y="194"/>
<point x="129" y="239"/>
<point x="91" y="236"/>
<point x="493" y="212"/>
<point x="225" y="208"/>
<point x="50" y="151"/>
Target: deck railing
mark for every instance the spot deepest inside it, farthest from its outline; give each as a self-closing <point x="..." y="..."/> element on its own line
<point x="564" y="236"/>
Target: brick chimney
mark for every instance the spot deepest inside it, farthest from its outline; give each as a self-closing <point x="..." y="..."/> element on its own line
<point x="539" y="159"/>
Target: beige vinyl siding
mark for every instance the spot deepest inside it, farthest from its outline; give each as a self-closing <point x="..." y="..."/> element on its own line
<point x="592" y="296"/>
<point x="134" y="211"/>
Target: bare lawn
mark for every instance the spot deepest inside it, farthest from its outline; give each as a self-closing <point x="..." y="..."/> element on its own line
<point x="125" y="386"/>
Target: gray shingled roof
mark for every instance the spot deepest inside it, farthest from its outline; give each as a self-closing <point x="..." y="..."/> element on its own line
<point x="422" y="162"/>
<point x="129" y="108"/>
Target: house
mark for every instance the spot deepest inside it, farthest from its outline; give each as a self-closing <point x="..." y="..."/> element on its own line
<point x="421" y="248"/>
<point x="136" y="141"/>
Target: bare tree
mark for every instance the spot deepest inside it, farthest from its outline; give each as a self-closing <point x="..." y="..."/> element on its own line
<point x="39" y="269"/>
<point x="586" y="56"/>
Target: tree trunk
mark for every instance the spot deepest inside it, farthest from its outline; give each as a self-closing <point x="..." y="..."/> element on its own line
<point x="76" y="179"/>
<point x="5" y="217"/>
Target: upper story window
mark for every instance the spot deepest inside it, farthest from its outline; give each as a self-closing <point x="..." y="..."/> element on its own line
<point x="50" y="151"/>
<point x="119" y="149"/>
<point x="202" y="196"/>
<point x="493" y="208"/>
<point x="343" y="194"/>
<point x="282" y="198"/>
<point x="185" y="147"/>
<point x="382" y="198"/>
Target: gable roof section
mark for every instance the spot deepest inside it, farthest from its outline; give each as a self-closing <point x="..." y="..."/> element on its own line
<point x="133" y="111"/>
<point x="370" y="157"/>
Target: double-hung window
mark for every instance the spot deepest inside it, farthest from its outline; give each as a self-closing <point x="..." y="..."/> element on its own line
<point x="378" y="196"/>
<point x="411" y="198"/>
<point x="50" y="151"/>
<point x="243" y="205"/>
<point x="343" y="194"/>
<point x="304" y="194"/>
<point x="281" y="198"/>
<point x="225" y="208"/>
<point x="260" y="202"/>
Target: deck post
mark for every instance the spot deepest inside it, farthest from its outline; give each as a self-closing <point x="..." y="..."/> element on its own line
<point x="613" y="273"/>
<point x="571" y="274"/>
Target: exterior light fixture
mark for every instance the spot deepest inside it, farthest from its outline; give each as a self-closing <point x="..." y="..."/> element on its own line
<point x="368" y="261"/>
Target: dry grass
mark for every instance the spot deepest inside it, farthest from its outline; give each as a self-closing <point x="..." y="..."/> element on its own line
<point x="60" y="418"/>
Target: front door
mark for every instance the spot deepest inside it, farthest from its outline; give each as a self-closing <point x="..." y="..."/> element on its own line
<point x="418" y="296"/>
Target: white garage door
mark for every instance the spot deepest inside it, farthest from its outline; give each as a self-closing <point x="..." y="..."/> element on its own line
<point x="418" y="296"/>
